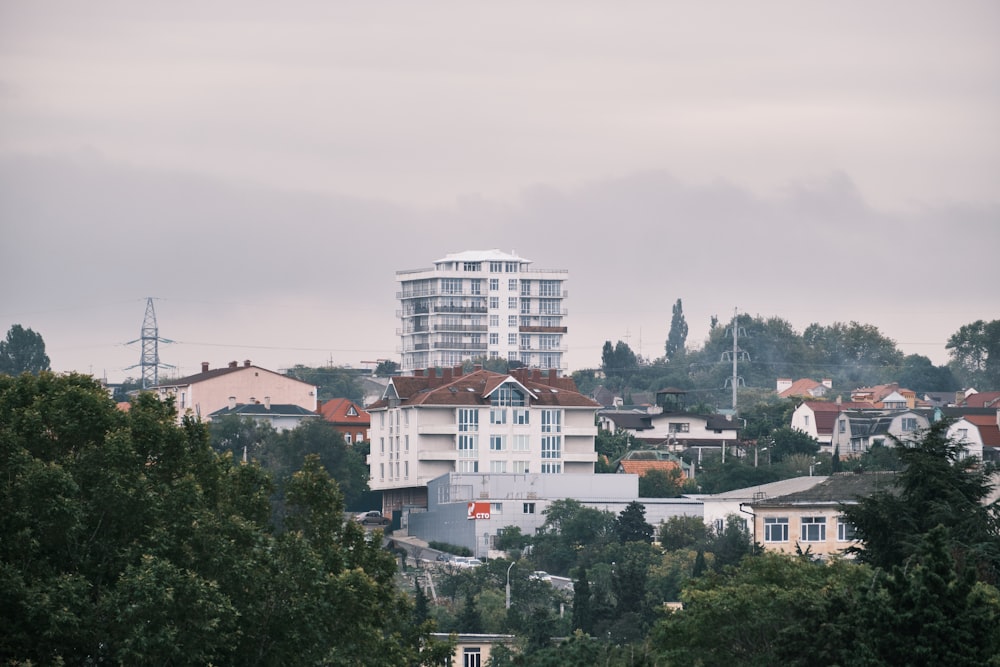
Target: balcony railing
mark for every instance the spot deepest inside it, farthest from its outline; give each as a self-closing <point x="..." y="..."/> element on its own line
<point x="459" y="327"/>
<point x="460" y="346"/>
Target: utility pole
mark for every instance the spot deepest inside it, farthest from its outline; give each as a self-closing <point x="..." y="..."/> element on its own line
<point x="150" y="359"/>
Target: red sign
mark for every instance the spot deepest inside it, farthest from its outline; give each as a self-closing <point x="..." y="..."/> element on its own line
<point x="479" y="510"/>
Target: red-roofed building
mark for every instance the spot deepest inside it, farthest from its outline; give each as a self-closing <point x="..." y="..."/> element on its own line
<point x="982" y="399"/>
<point x="980" y="433"/>
<point x="805" y="388"/>
<point x="890" y="396"/>
<point x="348" y="418"/>
<point x="640" y="463"/>
<point x="818" y="418"/>
<point x="425" y="426"/>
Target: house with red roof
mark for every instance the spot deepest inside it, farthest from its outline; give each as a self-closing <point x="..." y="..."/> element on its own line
<point x="804" y="388"/>
<point x="348" y="418"/>
<point x="982" y="399"/>
<point x="430" y="424"/>
<point x="818" y="419"/>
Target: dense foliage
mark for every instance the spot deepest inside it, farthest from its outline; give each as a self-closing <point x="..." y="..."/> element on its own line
<point x="125" y="539"/>
<point x="23" y="351"/>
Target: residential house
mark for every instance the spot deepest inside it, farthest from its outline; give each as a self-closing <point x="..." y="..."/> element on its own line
<point x="348" y="418"/>
<point x="811" y="519"/>
<point x="857" y="431"/>
<point x="214" y="389"/>
<point x="426" y="425"/>
<point x="818" y="419"/>
<point x="803" y="388"/>
<point x="674" y="431"/>
<point x="279" y="416"/>
<point x="474" y="650"/>
<point x="886" y="396"/>
<point x="981" y="399"/>
<point x="979" y="432"/>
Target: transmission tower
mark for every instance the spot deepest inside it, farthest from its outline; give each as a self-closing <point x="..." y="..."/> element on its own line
<point x="150" y="359"/>
<point x="736" y="355"/>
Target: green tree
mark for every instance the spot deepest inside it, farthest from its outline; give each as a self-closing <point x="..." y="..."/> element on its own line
<point x="631" y="526"/>
<point x="920" y="374"/>
<point x="677" y="336"/>
<point x="662" y="484"/>
<point x="23" y="351"/>
<point x="469" y="620"/>
<point x="571" y="531"/>
<point x="333" y="381"/>
<point x="937" y="486"/>
<point x="787" y="441"/>
<point x="975" y="354"/>
<point x="125" y="539"/>
<point x="386" y="368"/>
<point x="683" y="532"/>
<point x="582" y="617"/>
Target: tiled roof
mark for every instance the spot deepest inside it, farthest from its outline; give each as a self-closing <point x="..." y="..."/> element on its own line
<point x="988" y="429"/>
<point x="826" y="412"/>
<point x="984" y="399"/>
<point x="472" y="389"/>
<point x="217" y="372"/>
<point x="629" y="420"/>
<point x="801" y="387"/>
<point x="335" y="411"/>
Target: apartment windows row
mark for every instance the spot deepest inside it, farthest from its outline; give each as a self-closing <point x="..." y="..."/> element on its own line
<point x="811" y="529"/>
<point x="394" y="445"/>
<point x="394" y="470"/>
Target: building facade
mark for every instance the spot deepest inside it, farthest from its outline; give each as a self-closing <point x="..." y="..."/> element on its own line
<point x="426" y="426"/>
<point x="482" y="304"/>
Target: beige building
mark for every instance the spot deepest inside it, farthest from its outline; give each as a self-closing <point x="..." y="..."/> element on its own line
<point x="811" y="519"/>
<point x="215" y="389"/>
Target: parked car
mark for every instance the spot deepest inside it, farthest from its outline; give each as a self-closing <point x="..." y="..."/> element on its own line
<point x="373" y="518"/>
<point x="466" y="561"/>
<point x="539" y="575"/>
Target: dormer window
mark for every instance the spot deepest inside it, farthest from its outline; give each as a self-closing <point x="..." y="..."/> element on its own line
<point x="507" y="395"/>
<point x="351" y="412"/>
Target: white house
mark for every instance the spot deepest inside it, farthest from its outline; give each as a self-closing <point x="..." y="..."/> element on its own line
<point x="426" y="426"/>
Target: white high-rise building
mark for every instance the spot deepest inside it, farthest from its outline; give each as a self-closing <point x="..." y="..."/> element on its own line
<point x="482" y="304"/>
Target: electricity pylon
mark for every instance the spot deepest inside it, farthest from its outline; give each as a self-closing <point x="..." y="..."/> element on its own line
<point x="150" y="359"/>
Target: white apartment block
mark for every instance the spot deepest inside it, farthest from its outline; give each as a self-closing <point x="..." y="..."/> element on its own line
<point x="524" y="423"/>
<point x="482" y="304"/>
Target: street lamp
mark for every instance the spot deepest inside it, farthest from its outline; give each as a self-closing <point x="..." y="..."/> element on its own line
<point x="508" y="583"/>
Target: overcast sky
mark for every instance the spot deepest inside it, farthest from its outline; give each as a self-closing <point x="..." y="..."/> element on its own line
<point x="263" y="169"/>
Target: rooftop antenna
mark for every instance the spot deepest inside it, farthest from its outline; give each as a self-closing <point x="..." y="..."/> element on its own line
<point x="150" y="359"/>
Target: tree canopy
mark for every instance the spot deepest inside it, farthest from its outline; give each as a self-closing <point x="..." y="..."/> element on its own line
<point x="677" y="336"/>
<point x="975" y="354"/>
<point x="23" y="351"/>
<point x="125" y="539"/>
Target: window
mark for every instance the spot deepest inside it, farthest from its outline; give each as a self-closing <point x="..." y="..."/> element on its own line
<point x="521" y="416"/>
<point x="813" y="529"/>
<point x="549" y="306"/>
<point x="525" y="288"/>
<point x="548" y="342"/>
<point x="476" y="285"/>
<point x="961" y="433"/>
<point x="494" y="320"/>
<point x="525" y="306"/>
<point x="805" y="419"/>
<point x="551" y="446"/>
<point x="842" y="424"/>
<point x="381" y="471"/>
<point x="494" y="302"/>
<point x="406" y="442"/>
<point x="496" y="508"/>
<point x="512" y="320"/>
<point x="551" y="468"/>
<point x="467" y="466"/>
<point x="498" y="443"/>
<point x="776" y="529"/>
<point x="510" y="267"/>
<point x="498" y="416"/>
<point x="494" y="284"/>
<point x="471" y="657"/>
<point x="679" y="427"/>
<point x="519" y="467"/>
<point x="359" y="437"/>
<point x="528" y="508"/>
<point x="381" y="445"/>
<point x="551" y="421"/>
<point x="525" y="342"/>
<point x="512" y="339"/>
<point x="512" y="302"/>
<point x="496" y="267"/>
<point x="512" y="284"/>
<point x="522" y="443"/>
<point x="909" y="423"/>
<point x="498" y="466"/>
<point x="451" y="286"/>
<point x="471" y="266"/>
<point x="549" y="288"/>
<point x="845" y="530"/>
<point x="347" y="438"/>
<point x="406" y="470"/>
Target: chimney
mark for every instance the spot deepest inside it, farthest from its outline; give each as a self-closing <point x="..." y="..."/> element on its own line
<point x="232" y="402"/>
<point x="418" y="372"/>
<point x="477" y="367"/>
<point x="446" y="375"/>
<point x="828" y="383"/>
<point x="233" y="364"/>
<point x="246" y="363"/>
<point x="459" y="371"/>
<point x="536" y="375"/>
<point x="552" y="376"/>
<point x="204" y="367"/>
<point x="267" y="402"/>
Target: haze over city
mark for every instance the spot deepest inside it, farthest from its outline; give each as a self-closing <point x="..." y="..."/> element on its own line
<point x="264" y="170"/>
